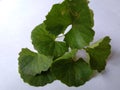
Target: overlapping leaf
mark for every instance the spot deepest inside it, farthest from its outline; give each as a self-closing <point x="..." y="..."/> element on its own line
<point x="68" y="55"/>
<point x="79" y="36"/>
<point x="70" y="72"/>
<point x="33" y="63"/>
<point x="58" y="18"/>
<point x="81" y="33"/>
<point x="68" y="12"/>
<point x="34" y="68"/>
<point x="53" y="60"/>
<point x="38" y="80"/>
<point x="99" y="52"/>
<point x="76" y="13"/>
<point x="80" y="12"/>
<point x="45" y="43"/>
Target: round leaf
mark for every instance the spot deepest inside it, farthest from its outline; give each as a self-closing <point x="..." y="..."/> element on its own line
<point x="79" y="36"/>
<point x="69" y="12"/>
<point x="38" y="80"/>
<point x="32" y="63"/>
<point x="72" y="73"/>
<point x="45" y="43"/>
<point x="58" y="19"/>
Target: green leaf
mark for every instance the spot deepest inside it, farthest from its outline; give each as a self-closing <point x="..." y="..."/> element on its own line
<point x="98" y="53"/>
<point x="70" y="72"/>
<point x="45" y="43"/>
<point x="79" y="36"/>
<point x="76" y="13"/>
<point x="80" y="12"/>
<point x="81" y="33"/>
<point x="92" y="17"/>
<point x="53" y="61"/>
<point x="59" y="49"/>
<point x="58" y="19"/>
<point x="38" y="80"/>
<point x="32" y="63"/>
<point x="68" y="55"/>
<point x="69" y="12"/>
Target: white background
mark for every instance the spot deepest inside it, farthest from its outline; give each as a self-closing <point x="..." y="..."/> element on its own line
<point x="19" y="17"/>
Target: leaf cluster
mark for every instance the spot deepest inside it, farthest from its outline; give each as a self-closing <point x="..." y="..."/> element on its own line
<point x="56" y="60"/>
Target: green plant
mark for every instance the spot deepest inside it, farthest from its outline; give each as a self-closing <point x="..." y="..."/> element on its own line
<point x="56" y="60"/>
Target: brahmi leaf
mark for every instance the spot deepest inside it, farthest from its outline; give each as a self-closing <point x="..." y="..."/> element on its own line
<point x="79" y="36"/>
<point x="68" y="55"/>
<point x="41" y="79"/>
<point x="80" y="12"/>
<point x="98" y="53"/>
<point x="69" y="12"/>
<point x="31" y="63"/>
<point x="45" y="43"/>
<point x="58" y="18"/>
<point x="81" y="33"/>
<point x="70" y="72"/>
<point x="57" y="46"/>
